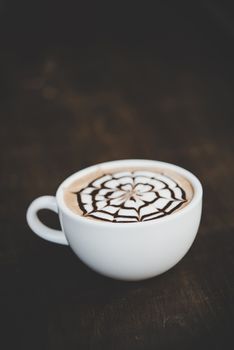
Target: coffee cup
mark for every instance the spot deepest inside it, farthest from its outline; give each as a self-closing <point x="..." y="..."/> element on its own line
<point x="141" y="247"/>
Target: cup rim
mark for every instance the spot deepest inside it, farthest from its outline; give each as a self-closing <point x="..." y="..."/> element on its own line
<point x="196" y="184"/>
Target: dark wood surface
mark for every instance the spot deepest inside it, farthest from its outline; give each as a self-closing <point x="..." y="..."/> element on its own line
<point x="121" y="83"/>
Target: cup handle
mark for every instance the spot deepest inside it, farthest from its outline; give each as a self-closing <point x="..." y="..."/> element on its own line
<point x="52" y="235"/>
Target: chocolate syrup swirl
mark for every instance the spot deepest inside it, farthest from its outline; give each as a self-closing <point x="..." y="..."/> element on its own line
<point x="130" y="196"/>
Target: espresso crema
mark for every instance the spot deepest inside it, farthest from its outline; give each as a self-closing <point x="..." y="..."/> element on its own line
<point x="125" y="195"/>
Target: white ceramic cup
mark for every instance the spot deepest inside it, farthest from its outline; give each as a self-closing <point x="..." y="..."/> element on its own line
<point x="127" y="251"/>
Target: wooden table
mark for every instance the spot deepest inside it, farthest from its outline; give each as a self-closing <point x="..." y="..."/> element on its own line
<point x="158" y="90"/>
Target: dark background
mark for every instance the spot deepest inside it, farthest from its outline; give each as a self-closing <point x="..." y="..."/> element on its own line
<point x="86" y="82"/>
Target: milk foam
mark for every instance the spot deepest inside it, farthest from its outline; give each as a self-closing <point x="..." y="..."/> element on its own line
<point x="130" y="196"/>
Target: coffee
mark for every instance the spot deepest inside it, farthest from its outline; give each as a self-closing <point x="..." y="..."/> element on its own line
<point x="130" y="194"/>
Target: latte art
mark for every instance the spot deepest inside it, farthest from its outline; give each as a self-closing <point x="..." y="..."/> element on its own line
<point x="130" y="196"/>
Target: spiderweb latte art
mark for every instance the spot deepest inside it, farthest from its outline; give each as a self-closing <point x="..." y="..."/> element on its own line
<point x="130" y="196"/>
